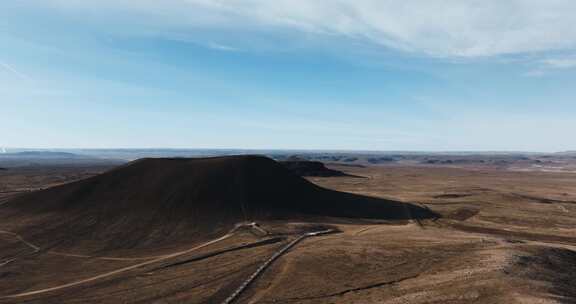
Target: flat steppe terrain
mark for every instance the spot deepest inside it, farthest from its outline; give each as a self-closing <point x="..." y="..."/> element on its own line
<point x="503" y="237"/>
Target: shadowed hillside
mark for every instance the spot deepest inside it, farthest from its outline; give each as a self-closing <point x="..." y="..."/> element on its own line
<point x="154" y="201"/>
<point x="310" y="168"/>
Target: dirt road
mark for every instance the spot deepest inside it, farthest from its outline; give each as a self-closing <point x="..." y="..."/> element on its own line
<point x="118" y="271"/>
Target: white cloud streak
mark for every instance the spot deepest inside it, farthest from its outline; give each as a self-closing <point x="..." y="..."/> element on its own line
<point x="222" y="47"/>
<point x="459" y="28"/>
<point x="560" y="63"/>
<point x="440" y="28"/>
<point x="12" y="70"/>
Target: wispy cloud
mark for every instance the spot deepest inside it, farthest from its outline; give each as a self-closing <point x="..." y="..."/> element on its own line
<point x="440" y="28"/>
<point x="222" y="47"/>
<point x="14" y="71"/>
<point x="549" y="65"/>
<point x="560" y="63"/>
<point x="535" y="73"/>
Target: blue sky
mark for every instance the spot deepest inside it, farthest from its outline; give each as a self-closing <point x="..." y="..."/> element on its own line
<point x="317" y="74"/>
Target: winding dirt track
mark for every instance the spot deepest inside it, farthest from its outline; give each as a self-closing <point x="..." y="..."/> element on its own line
<point x="121" y="270"/>
<point x="21" y="239"/>
<point x="74" y="255"/>
<point x="83" y="256"/>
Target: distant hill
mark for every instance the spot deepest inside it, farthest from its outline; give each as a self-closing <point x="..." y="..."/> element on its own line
<point x="41" y="154"/>
<point x="310" y="168"/>
<point x="49" y="158"/>
<point x="570" y="153"/>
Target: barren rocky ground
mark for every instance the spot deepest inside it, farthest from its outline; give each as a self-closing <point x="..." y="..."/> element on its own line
<point x="503" y="237"/>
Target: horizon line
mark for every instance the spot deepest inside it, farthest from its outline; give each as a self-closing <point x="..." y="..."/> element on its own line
<point x="5" y="148"/>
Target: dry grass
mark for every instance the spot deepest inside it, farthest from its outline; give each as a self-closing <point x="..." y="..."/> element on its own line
<point x="505" y="237"/>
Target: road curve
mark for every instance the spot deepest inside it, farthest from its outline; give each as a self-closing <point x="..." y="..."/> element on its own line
<point x="73" y="255"/>
<point x="117" y="271"/>
<point x="21" y="239"/>
<point x="83" y="256"/>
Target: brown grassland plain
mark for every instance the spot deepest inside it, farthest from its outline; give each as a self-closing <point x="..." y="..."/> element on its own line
<point x="503" y="237"/>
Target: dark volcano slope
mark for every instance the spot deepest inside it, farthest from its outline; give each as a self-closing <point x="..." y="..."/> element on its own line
<point x="152" y="201"/>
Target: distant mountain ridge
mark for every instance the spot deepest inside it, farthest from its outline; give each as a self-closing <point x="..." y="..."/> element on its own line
<point x="41" y="154"/>
<point x="52" y="158"/>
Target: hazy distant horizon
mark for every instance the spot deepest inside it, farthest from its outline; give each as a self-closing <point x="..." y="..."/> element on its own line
<point x="64" y="149"/>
